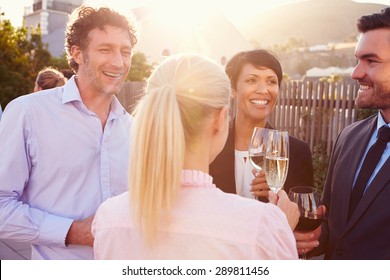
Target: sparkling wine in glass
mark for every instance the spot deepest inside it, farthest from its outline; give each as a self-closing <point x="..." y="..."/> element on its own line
<point x="257" y="147"/>
<point x="257" y="150"/>
<point x="276" y="161"/>
<point x="308" y="201"/>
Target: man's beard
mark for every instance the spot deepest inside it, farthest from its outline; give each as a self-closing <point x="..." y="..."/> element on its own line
<point x="96" y="83"/>
<point x="378" y="99"/>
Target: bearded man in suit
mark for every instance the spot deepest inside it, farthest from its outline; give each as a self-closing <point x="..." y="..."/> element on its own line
<point x="360" y="228"/>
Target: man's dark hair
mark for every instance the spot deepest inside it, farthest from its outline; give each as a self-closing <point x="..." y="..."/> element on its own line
<point x="258" y="58"/>
<point x="89" y="18"/>
<point x="374" y="21"/>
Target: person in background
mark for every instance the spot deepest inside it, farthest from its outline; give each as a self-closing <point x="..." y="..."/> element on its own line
<point x="173" y="210"/>
<point x="255" y="78"/>
<point x="65" y="150"/>
<point x="67" y="72"/>
<point x="357" y="195"/>
<point x="49" y="77"/>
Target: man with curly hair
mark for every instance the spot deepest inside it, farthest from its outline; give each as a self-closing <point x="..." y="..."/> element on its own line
<point x="65" y="150"/>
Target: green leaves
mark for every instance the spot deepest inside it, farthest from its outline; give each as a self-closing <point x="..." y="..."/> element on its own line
<point x="140" y="70"/>
<point x="22" y="55"/>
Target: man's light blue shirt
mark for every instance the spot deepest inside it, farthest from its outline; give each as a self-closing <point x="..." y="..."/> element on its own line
<point x="57" y="165"/>
<point x="381" y="122"/>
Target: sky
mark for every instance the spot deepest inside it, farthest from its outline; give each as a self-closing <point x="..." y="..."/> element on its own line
<point x="237" y="11"/>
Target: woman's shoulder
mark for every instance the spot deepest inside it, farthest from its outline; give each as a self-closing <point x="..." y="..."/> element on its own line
<point x="114" y="207"/>
<point x="241" y="204"/>
<point x="294" y="141"/>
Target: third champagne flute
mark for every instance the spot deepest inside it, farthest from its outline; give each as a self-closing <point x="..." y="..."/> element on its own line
<point x="276" y="161"/>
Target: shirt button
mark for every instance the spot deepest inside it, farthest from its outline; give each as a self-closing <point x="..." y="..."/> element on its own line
<point x="115" y="193"/>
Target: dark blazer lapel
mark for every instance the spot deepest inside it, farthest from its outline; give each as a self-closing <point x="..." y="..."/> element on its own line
<point x="351" y="152"/>
<point x="358" y="146"/>
<point x="230" y="160"/>
<point x="381" y="180"/>
<point x="269" y="126"/>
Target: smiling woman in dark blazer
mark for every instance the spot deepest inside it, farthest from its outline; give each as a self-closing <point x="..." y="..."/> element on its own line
<point x="255" y="78"/>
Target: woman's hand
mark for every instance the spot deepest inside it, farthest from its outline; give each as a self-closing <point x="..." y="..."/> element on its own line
<point x="259" y="184"/>
<point x="289" y="208"/>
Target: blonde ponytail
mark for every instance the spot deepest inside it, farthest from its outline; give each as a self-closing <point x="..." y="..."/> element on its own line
<point x="181" y="93"/>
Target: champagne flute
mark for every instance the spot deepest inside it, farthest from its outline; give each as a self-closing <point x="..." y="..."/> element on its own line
<point x="276" y="160"/>
<point x="308" y="201"/>
<point x="257" y="150"/>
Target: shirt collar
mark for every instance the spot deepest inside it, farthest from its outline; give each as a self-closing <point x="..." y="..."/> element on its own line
<point x="117" y="108"/>
<point x="71" y="93"/>
<point x="196" y="178"/>
<point x="381" y="122"/>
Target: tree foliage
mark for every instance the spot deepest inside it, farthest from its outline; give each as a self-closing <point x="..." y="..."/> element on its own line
<point x="320" y="165"/>
<point x="22" y="55"/>
<point x="140" y="70"/>
<point x="60" y="62"/>
<point x="15" y="52"/>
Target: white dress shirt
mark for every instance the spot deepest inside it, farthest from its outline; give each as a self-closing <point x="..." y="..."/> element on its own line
<point x="243" y="174"/>
<point x="58" y="165"/>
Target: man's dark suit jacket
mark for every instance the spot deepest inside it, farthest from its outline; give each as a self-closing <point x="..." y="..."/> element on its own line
<point x="300" y="169"/>
<point x="366" y="235"/>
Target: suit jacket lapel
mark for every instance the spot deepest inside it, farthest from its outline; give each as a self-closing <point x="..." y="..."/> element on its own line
<point x="349" y="154"/>
<point x="378" y="183"/>
<point x="358" y="146"/>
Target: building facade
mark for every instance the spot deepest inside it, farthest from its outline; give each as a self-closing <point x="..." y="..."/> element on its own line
<point x="51" y="16"/>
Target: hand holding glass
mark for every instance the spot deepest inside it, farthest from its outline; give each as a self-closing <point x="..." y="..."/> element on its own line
<point x="308" y="201"/>
<point x="276" y="161"/>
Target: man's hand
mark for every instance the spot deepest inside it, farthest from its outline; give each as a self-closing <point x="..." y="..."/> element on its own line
<point x="80" y="233"/>
<point x="307" y="241"/>
<point x="259" y="184"/>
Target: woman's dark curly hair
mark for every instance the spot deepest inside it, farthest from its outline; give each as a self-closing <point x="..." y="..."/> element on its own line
<point x="87" y="19"/>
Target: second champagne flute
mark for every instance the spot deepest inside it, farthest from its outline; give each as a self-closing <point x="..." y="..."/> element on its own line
<point x="257" y="147"/>
<point x="276" y="160"/>
<point x="257" y="150"/>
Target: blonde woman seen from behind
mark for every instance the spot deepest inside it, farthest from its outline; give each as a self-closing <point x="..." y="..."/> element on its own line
<point x="173" y="210"/>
